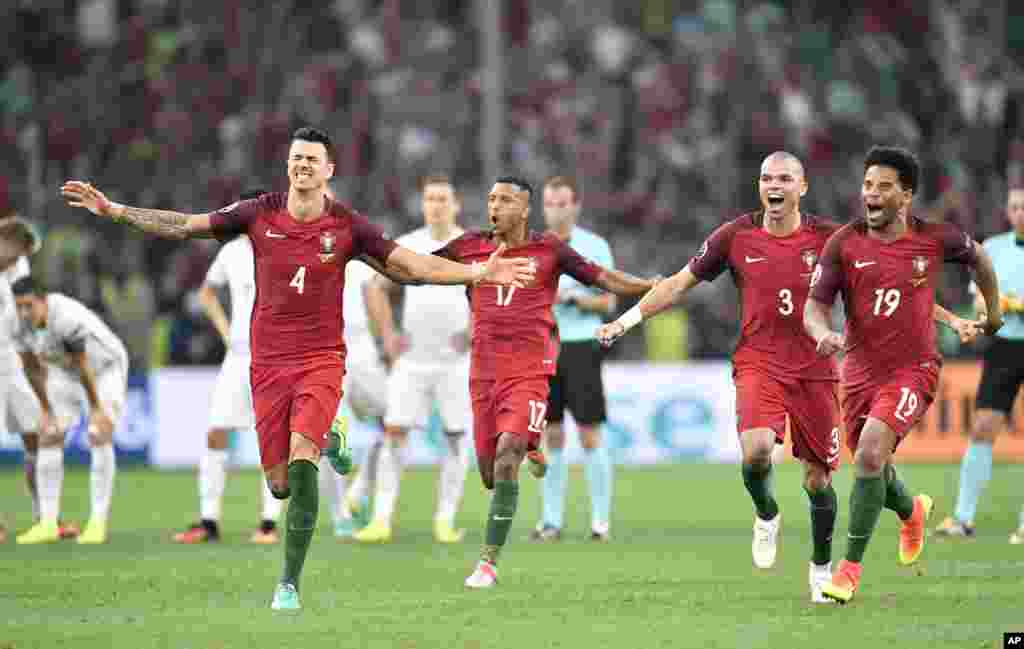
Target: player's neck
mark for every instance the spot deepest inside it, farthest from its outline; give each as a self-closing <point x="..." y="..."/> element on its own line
<point x="442" y="231"/>
<point x="891" y="232"/>
<point x="306" y="206"/>
<point x="564" y="230"/>
<point x="512" y="239"/>
<point x="787" y="226"/>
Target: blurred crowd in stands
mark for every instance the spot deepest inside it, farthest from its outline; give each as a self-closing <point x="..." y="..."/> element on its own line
<point x="662" y="108"/>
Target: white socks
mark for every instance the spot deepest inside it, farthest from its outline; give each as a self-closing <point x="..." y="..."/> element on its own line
<point x="451" y="478"/>
<point x="271" y="506"/>
<point x="334" y="485"/>
<point x="49" y="481"/>
<point x="212" y="475"/>
<point x="30" y="482"/>
<point x="101" y="481"/>
<point x="389" y="475"/>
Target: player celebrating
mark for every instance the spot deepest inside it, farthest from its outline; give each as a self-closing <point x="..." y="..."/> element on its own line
<point x="777" y="373"/>
<point x="231" y="407"/>
<point x="577" y="385"/>
<point x="513" y="352"/>
<point x="886" y="266"/>
<point x="430" y="364"/>
<point x="301" y="242"/>
<point x="1002" y="374"/>
<point x="86" y="367"/>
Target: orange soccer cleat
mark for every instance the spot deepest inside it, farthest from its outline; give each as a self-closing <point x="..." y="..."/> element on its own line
<point x="194" y="535"/>
<point x="844" y="582"/>
<point x="912" y="532"/>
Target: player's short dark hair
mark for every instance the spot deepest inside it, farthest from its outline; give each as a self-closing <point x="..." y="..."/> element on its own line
<point x="904" y="162"/>
<point x="564" y="181"/>
<point x="250" y="194"/>
<point x="27" y="286"/>
<point x="310" y="134"/>
<point x="518" y="182"/>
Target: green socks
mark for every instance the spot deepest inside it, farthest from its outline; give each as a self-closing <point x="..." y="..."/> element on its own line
<point x="499" y="521"/>
<point x="896" y="496"/>
<point x="302" y="512"/>
<point x="758" y="481"/>
<point x="823" y="521"/>
<point x="866" y="501"/>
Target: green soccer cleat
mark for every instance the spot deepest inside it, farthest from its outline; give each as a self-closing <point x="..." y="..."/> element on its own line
<point x="337" y="446"/>
<point x="286" y="598"/>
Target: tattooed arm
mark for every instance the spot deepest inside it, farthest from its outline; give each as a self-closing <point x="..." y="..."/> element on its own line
<point x="162" y="223"/>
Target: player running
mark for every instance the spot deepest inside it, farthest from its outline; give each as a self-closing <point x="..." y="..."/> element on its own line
<point x="74" y="362"/>
<point x="301" y="242"/>
<point x="429" y="365"/>
<point x="779" y="377"/>
<point x="514" y="350"/>
<point x="886" y="265"/>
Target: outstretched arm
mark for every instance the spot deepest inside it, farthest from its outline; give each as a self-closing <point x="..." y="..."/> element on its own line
<point x="162" y="223"/>
<point x="624" y="284"/>
<point x="663" y="295"/>
<point x="431" y="269"/>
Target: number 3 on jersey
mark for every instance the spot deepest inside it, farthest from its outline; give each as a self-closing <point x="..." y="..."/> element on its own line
<point x="786" y="302"/>
<point x="299" y="280"/>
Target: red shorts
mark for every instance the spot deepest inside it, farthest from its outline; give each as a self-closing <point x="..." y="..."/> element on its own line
<point x="900" y="401"/>
<point x="812" y="408"/>
<point x="516" y="405"/>
<point x="294" y="399"/>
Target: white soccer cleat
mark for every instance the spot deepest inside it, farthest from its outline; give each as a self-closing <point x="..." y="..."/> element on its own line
<point x="485" y="576"/>
<point x="1017" y="538"/>
<point x="766" y="537"/>
<point x="817" y="577"/>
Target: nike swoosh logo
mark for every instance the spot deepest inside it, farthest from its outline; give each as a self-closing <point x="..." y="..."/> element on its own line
<point x="753" y="260"/>
<point x="862" y="264"/>
<point x="502" y="518"/>
<point x="274" y="235"/>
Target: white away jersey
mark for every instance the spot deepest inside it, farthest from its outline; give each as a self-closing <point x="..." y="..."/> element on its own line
<point x="357" y="323"/>
<point x="70" y="327"/>
<point x="234" y="267"/>
<point x="9" y="314"/>
<point x="432" y="315"/>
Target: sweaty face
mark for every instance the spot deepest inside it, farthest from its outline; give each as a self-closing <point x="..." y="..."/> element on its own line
<point x="308" y="167"/>
<point x="560" y="206"/>
<point x="883" y="195"/>
<point x="30" y="310"/>
<point x="1015" y="210"/>
<point x="439" y="204"/>
<point x="508" y="207"/>
<point x="780" y="186"/>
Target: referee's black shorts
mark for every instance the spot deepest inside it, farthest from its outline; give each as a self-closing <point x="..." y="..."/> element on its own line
<point x="1002" y="375"/>
<point x="577" y="384"/>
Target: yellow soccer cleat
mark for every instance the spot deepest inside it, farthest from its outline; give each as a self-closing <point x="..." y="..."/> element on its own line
<point x="445" y="533"/>
<point x="41" y="532"/>
<point x="375" y="532"/>
<point x="912" y="532"/>
<point x="95" y="533"/>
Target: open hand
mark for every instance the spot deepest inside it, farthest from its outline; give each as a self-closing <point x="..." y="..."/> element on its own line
<point x="831" y="343"/>
<point x="608" y="333"/>
<point x="514" y="271"/>
<point x="80" y="194"/>
<point x="968" y="330"/>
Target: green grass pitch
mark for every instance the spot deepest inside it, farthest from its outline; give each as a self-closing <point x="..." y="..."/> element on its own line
<point x="678" y="573"/>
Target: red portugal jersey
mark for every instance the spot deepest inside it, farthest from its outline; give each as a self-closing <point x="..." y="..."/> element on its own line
<point x="513" y="329"/>
<point x="773" y="276"/>
<point x="300" y="274"/>
<point x="889" y="293"/>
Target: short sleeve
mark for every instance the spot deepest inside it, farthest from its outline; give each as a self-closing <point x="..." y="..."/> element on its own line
<point x="233" y="220"/>
<point x="368" y="239"/>
<point x="576" y="266"/>
<point x="957" y="245"/>
<point x="217" y="275"/>
<point x="713" y="257"/>
<point x="828" y="274"/>
<point x="18" y="269"/>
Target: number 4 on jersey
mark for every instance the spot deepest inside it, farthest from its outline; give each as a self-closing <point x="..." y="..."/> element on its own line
<point x="299" y="280"/>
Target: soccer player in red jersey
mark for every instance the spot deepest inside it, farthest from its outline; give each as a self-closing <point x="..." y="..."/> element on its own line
<point x="886" y="265"/>
<point x="779" y="377"/>
<point x="513" y="351"/>
<point x="301" y="242"/>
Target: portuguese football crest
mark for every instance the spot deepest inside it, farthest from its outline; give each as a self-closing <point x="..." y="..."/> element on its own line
<point x="920" y="268"/>
<point x="326" y="247"/>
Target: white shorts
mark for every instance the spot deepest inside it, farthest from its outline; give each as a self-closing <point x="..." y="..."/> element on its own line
<point x="19" y="407"/>
<point x="365" y="385"/>
<point x="413" y="388"/>
<point x="231" y="405"/>
<point x="69" y="401"/>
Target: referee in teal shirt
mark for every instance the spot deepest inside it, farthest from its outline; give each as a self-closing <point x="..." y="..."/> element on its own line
<point x="577" y="385"/>
<point x="1001" y="377"/>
